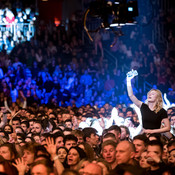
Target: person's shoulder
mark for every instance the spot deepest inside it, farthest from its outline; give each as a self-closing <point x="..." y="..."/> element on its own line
<point x="163" y="112"/>
<point x="163" y="109"/>
<point x="144" y="105"/>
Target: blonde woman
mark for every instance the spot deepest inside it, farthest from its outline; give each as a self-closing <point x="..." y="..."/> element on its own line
<point x="152" y="111"/>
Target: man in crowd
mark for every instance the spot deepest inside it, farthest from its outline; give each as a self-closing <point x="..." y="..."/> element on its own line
<point x="90" y="137"/>
<point x="16" y="122"/>
<point x="37" y="128"/>
<point x="109" y="152"/>
<point x="125" y="153"/>
<point x="43" y="167"/>
<point x="124" y="133"/>
<point x="58" y="139"/>
<point x="109" y="136"/>
<point x="154" y="157"/>
<point x="140" y="143"/>
<point x="116" y="131"/>
<point x="92" y="168"/>
<point x="70" y="140"/>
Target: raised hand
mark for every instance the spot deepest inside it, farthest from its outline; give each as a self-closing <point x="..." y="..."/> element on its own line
<point x="21" y="166"/>
<point x="51" y="146"/>
<point x="153" y="159"/>
<point x="131" y="74"/>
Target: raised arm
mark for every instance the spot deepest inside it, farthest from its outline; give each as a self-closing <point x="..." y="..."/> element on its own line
<point x="130" y="76"/>
<point x="3" y="117"/>
<point x="24" y="98"/>
<point x="6" y="104"/>
<point x="51" y="148"/>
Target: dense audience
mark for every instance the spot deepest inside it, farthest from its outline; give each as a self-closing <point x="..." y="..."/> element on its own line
<point x="65" y="108"/>
<point x="62" y="139"/>
<point x="16" y="23"/>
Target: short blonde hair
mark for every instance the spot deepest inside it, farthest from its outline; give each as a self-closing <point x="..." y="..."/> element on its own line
<point x="159" y="101"/>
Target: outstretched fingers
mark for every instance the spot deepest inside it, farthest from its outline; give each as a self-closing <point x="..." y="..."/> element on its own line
<point x="49" y="141"/>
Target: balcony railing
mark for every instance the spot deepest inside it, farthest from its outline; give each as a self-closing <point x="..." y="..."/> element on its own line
<point x="15" y="33"/>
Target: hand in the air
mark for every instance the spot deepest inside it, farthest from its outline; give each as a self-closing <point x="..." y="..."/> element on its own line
<point x="21" y="166"/>
<point x="131" y="74"/>
<point x="50" y="146"/>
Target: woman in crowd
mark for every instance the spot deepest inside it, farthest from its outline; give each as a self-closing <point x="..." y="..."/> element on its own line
<point x="171" y="158"/>
<point x="153" y="114"/>
<point x="6" y="168"/>
<point x="8" y="129"/>
<point x="62" y="155"/>
<point x="143" y="160"/>
<point x="75" y="154"/>
<point x="88" y="150"/>
<point x="8" y="151"/>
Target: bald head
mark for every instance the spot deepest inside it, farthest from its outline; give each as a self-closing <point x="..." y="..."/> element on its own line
<point x="128" y="144"/>
<point x="93" y="169"/>
<point x="125" y="152"/>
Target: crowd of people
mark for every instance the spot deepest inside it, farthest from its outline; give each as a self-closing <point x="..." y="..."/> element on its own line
<point x="16" y="24"/>
<point x="56" y="66"/>
<point x="60" y="140"/>
<point x="67" y="109"/>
